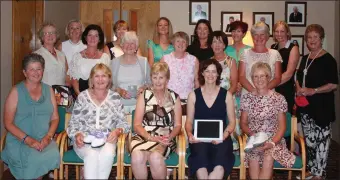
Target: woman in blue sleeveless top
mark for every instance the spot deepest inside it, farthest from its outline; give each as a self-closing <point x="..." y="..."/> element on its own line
<point x="31" y="119"/>
<point x="210" y="101"/>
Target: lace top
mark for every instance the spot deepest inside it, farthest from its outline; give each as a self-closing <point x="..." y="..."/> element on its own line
<point x="81" y="67"/>
<point x="249" y="57"/>
<point x="182" y="76"/>
<point x="110" y="114"/>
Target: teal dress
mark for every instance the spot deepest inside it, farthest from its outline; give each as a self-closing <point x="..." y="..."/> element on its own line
<point x="33" y="118"/>
<point x="231" y="51"/>
<point x="158" y="52"/>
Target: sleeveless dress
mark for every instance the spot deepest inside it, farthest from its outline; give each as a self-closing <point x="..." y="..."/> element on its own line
<point x="33" y="118"/>
<point x="157" y="121"/>
<point x="115" y="51"/>
<point x="209" y="155"/>
<point x="287" y="89"/>
<point x="158" y="52"/>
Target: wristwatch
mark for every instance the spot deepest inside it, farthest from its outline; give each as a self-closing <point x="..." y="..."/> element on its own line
<point x="315" y="90"/>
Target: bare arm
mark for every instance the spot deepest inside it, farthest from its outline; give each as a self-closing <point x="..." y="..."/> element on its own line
<point x="178" y="119"/>
<point x="244" y="124"/>
<point x="107" y="50"/>
<point x="162" y="59"/>
<point x="243" y="79"/>
<point x="230" y="112"/>
<point x="75" y="85"/>
<point x="150" y="56"/>
<point x="293" y="61"/>
<point x="197" y="66"/>
<point x="233" y="77"/>
<point x="281" y="128"/>
<point x="54" y="121"/>
<point x="68" y="80"/>
<point x="277" y="78"/>
<point x="139" y="113"/>
<point x="190" y="113"/>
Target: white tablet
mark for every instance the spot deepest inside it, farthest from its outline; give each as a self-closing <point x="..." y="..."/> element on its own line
<point x="207" y="130"/>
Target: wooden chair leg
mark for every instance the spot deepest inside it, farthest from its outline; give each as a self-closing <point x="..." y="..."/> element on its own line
<point x="77" y="172"/>
<point x="130" y="172"/>
<point x="1" y="168"/>
<point x="55" y="174"/>
<point x="174" y="173"/>
<point x="61" y="171"/>
<point x="289" y="174"/>
<point x="66" y="171"/>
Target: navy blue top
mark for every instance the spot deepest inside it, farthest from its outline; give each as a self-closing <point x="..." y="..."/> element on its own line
<point x="217" y="111"/>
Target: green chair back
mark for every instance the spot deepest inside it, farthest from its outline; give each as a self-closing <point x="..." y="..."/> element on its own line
<point x="288" y="125"/>
<point x="61" y="125"/>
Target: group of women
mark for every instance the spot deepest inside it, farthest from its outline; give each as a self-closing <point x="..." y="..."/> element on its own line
<point x="208" y="79"/>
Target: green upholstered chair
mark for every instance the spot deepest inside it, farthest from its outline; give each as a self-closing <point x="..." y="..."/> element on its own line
<point x="69" y="156"/>
<point x="173" y="161"/>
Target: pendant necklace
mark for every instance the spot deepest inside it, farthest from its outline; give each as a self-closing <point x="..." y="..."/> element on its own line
<point x="307" y="67"/>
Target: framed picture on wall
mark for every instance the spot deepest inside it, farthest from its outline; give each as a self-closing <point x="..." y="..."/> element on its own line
<point x="299" y="40"/>
<point x="199" y="9"/>
<point x="296" y="13"/>
<point x="227" y="18"/>
<point x="265" y="17"/>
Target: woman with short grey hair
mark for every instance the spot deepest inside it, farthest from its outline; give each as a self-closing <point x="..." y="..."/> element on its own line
<point x="130" y="72"/>
<point x="259" y="53"/>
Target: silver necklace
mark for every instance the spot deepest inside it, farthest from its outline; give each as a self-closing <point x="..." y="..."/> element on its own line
<point x="305" y="71"/>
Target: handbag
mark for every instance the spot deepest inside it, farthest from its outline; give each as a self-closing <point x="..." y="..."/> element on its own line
<point x="301" y="101"/>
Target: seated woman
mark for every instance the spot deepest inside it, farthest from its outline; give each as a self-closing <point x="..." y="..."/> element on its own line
<point x="264" y="110"/>
<point x="97" y="110"/>
<point x="157" y="122"/>
<point x="183" y="67"/>
<point x="131" y="73"/>
<point x="210" y="101"/>
<point x="31" y="118"/>
<point x="84" y="61"/>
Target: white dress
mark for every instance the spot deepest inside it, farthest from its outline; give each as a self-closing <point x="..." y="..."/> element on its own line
<point x="80" y="67"/>
<point x="249" y="58"/>
<point x="69" y="49"/>
<point x="55" y="68"/>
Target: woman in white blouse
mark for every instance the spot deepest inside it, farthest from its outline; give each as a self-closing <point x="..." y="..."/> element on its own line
<point x="259" y="53"/>
<point x="55" y="60"/>
<point x="84" y="61"/>
<point x="97" y="110"/>
<point x="73" y="31"/>
<point x="131" y="73"/>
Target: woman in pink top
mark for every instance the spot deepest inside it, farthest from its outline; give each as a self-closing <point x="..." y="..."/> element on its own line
<point x="183" y="68"/>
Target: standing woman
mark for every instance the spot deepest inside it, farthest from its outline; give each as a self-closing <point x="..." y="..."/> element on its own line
<point x="160" y="45"/>
<point x="73" y="31"/>
<point x="31" y="119"/>
<point x="84" y="61"/>
<point x="200" y="47"/>
<point x="55" y="60"/>
<point x="210" y="101"/>
<point x="259" y="53"/>
<point x="113" y="48"/>
<point x="290" y="57"/>
<point x="183" y="67"/>
<point x="317" y="78"/>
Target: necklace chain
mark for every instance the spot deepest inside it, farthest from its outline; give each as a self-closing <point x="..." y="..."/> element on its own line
<point x="307" y="66"/>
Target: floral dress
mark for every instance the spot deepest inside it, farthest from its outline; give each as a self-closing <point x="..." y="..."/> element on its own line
<point x="263" y="117"/>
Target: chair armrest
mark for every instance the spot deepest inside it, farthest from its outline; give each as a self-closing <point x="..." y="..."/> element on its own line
<point x="58" y="138"/>
<point x="301" y="141"/>
<point x="3" y="139"/>
<point x="63" y="144"/>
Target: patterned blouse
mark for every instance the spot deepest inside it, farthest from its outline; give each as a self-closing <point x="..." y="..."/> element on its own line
<point x="88" y="117"/>
<point x="226" y="64"/>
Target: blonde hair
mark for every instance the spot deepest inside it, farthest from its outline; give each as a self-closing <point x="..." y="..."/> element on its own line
<point x="260" y="27"/>
<point x="156" y="34"/>
<point x="100" y="67"/>
<point x="263" y="66"/>
<point x="285" y="25"/>
<point x="41" y="31"/>
<point x="67" y="32"/>
<point x="130" y="36"/>
<point x="180" y="34"/>
<point x="160" y="67"/>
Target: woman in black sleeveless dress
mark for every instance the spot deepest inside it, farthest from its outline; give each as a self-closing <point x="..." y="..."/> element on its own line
<point x="210" y="101"/>
<point x="290" y="57"/>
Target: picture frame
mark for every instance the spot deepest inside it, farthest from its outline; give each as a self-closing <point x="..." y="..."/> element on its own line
<point x="267" y="18"/>
<point x="300" y="40"/>
<point x="199" y="9"/>
<point x="228" y="17"/>
<point x="296" y="13"/>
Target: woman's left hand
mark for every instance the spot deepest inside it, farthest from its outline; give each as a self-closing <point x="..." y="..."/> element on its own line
<point x="112" y="138"/>
<point x="225" y="136"/>
<point x="265" y="146"/>
<point x="307" y="91"/>
<point x="45" y="141"/>
<point x="141" y="89"/>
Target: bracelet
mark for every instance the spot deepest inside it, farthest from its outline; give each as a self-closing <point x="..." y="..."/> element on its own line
<point x="23" y="139"/>
<point x="271" y="142"/>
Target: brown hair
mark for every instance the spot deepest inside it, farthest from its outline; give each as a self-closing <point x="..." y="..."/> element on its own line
<point x="316" y="28"/>
<point x="285" y="25"/>
<point x="204" y="65"/>
<point x="41" y="31"/>
<point x="180" y="34"/>
<point x="119" y="24"/>
<point x="156" y="34"/>
<point x="101" y="67"/>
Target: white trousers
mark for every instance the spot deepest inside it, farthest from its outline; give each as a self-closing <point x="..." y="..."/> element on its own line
<point x="97" y="161"/>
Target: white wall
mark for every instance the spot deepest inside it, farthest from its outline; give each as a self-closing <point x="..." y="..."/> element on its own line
<point x="328" y="17"/>
<point x="6" y="53"/>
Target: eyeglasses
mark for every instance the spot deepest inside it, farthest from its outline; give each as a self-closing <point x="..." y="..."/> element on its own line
<point x="262" y="77"/>
<point x="50" y="33"/>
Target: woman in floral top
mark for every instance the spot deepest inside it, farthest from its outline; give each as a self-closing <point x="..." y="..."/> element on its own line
<point x="96" y="111"/>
